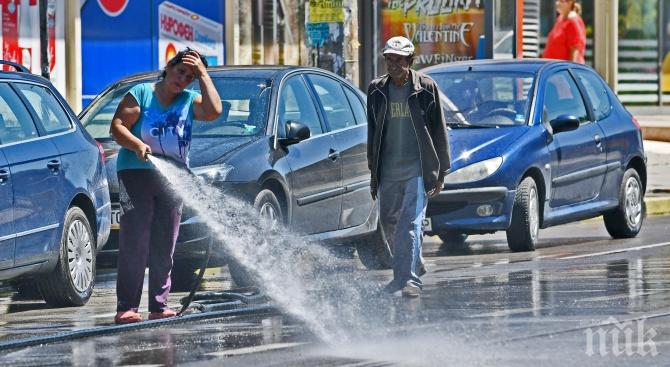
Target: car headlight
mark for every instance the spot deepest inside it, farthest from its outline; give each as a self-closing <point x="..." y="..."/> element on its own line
<point x="212" y="174"/>
<point x="474" y="172"/>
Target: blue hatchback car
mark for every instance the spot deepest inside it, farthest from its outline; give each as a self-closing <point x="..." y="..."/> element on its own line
<point x="54" y="198"/>
<point x="535" y="143"/>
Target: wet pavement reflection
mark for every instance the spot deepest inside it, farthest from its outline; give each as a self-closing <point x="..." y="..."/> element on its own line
<point x="481" y="305"/>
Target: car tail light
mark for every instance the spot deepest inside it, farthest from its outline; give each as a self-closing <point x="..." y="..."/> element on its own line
<point x="637" y="123"/>
<point x="101" y="150"/>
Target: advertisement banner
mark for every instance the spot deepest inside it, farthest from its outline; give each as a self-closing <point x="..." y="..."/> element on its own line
<point x="442" y="31"/>
<point x="20" y="37"/>
<point x="179" y="28"/>
<point x="326" y="11"/>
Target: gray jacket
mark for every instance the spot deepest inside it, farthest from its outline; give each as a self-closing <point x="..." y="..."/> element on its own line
<point x="427" y="118"/>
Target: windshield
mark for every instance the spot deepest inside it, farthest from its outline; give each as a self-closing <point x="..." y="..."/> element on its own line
<point x="484" y="99"/>
<point x="245" y="105"/>
<point x="99" y="116"/>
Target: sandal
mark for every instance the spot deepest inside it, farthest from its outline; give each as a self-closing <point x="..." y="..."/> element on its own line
<point x="127" y="317"/>
<point x="162" y="314"/>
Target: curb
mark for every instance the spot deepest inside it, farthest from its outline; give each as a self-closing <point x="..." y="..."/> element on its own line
<point x="657" y="205"/>
<point x="658" y="133"/>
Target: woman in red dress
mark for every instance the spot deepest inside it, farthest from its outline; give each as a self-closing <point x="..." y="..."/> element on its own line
<point x="567" y="40"/>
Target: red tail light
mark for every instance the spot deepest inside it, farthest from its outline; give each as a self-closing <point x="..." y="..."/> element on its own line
<point x="637" y="123"/>
<point x="101" y="150"/>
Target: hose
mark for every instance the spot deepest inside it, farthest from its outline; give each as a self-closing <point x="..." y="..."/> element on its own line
<point x="187" y="301"/>
<point x="107" y="330"/>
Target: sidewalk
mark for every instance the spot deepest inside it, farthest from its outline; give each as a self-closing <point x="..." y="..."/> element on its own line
<point x="655" y="122"/>
<point x="658" y="177"/>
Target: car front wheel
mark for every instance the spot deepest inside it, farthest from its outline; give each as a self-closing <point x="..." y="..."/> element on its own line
<point x="626" y="220"/>
<point x="522" y="233"/>
<point x="270" y="216"/>
<point x="71" y="282"/>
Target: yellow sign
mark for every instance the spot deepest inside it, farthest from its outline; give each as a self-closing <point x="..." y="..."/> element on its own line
<point x="326" y="11"/>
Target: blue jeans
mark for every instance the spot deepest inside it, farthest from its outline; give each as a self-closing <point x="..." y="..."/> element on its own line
<point x="402" y="208"/>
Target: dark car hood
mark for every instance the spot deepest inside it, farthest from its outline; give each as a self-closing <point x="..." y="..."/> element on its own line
<point x="203" y="151"/>
<point x="470" y="145"/>
<point x="206" y="151"/>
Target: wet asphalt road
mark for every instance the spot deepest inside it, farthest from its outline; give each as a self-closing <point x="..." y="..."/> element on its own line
<point x="580" y="299"/>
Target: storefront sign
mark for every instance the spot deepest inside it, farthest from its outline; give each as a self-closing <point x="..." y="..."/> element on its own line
<point x="442" y="31"/>
<point x="326" y="11"/>
<point x="179" y="28"/>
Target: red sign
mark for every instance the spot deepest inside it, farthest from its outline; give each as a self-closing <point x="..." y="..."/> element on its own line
<point x="113" y="7"/>
<point x="10" y="33"/>
<point x="175" y="27"/>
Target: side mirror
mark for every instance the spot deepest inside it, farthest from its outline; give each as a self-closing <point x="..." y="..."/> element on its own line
<point x="564" y="123"/>
<point x="295" y="133"/>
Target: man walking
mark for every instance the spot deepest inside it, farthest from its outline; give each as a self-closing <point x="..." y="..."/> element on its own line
<point x="408" y="155"/>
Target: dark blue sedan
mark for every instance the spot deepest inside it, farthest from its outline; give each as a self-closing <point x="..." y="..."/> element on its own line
<point x="535" y="143"/>
<point x="54" y="198"/>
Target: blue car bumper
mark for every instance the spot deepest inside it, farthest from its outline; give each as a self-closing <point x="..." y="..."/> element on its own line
<point x="476" y="210"/>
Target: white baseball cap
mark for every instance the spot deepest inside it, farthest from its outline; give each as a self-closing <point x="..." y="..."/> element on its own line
<point x="399" y="45"/>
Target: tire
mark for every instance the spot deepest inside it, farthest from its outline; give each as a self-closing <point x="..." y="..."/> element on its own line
<point x="453" y="239"/>
<point x="271" y="215"/>
<point x="26" y="289"/>
<point x="373" y="251"/>
<point x="71" y="282"/>
<point x="626" y="220"/>
<point x="523" y="232"/>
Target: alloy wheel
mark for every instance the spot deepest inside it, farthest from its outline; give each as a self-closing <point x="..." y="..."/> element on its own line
<point x="79" y="255"/>
<point x="633" y="204"/>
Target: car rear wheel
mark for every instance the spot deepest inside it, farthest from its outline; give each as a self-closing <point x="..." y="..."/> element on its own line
<point x="271" y="217"/>
<point x="71" y="282"/>
<point x="453" y="239"/>
<point x="523" y="232"/>
<point x="373" y="251"/>
<point x="626" y="220"/>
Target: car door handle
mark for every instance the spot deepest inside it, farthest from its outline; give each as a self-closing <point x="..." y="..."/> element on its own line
<point x="599" y="142"/>
<point x="4" y="176"/>
<point x="53" y="165"/>
<point x="333" y="154"/>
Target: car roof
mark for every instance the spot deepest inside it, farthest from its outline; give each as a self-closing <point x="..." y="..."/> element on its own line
<point x="23" y="76"/>
<point x="241" y="71"/>
<point x="519" y="65"/>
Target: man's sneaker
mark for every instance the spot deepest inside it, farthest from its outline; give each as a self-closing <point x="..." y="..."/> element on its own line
<point x="393" y="289"/>
<point x="410" y="291"/>
<point x="422" y="270"/>
<point x="127" y="317"/>
<point x="162" y="314"/>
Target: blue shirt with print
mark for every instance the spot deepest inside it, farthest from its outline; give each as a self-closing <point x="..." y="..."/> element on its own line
<point x="166" y="130"/>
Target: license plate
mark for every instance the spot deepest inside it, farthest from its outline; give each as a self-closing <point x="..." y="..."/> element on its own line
<point x="116" y="216"/>
<point x="427" y="225"/>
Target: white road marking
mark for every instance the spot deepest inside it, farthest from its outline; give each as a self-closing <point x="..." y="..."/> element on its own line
<point x="256" y="349"/>
<point x="616" y="251"/>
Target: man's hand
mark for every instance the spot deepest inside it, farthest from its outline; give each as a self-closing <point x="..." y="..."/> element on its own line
<point x="435" y="190"/>
<point x="373" y="193"/>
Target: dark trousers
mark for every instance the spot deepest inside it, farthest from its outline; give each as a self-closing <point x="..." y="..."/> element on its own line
<point x="402" y="207"/>
<point x="150" y="216"/>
